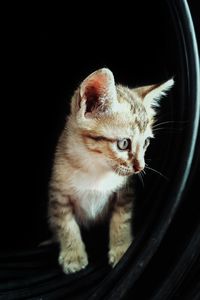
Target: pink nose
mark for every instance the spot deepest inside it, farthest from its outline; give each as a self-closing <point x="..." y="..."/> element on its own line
<point x="137" y="166"/>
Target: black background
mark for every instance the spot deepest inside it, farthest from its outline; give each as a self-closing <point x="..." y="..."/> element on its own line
<point x="47" y="51"/>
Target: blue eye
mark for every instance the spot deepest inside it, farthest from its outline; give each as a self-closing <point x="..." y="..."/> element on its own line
<point x="123" y="144"/>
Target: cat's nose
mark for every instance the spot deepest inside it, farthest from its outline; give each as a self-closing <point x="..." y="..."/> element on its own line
<point x="137" y="166"/>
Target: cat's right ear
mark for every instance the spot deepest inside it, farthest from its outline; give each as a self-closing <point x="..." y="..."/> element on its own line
<point x="97" y="93"/>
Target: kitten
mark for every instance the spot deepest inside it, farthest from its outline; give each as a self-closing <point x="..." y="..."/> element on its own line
<point x="103" y="143"/>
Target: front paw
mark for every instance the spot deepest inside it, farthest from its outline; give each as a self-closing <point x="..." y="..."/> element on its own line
<point x="73" y="260"/>
<point x="116" y="253"/>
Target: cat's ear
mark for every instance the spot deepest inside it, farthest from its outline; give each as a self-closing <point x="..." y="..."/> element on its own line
<point x="151" y="94"/>
<point x="97" y="92"/>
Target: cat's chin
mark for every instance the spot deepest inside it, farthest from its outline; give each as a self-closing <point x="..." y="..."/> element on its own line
<point x="123" y="172"/>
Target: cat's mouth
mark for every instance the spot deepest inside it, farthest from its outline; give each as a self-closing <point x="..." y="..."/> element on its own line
<point x="122" y="171"/>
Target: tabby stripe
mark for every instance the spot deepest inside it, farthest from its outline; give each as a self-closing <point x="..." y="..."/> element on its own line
<point x="99" y="138"/>
<point x="55" y="203"/>
<point x="55" y="189"/>
<point x="95" y="151"/>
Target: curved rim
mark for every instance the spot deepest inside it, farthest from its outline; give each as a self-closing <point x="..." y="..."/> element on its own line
<point x="180" y="14"/>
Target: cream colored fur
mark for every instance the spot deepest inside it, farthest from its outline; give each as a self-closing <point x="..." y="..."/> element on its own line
<point x="90" y="172"/>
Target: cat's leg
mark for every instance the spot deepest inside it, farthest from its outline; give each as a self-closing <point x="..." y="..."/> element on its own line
<point x="120" y="226"/>
<point x="72" y="255"/>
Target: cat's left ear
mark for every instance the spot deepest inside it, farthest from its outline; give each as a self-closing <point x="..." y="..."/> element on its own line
<point x="151" y="94"/>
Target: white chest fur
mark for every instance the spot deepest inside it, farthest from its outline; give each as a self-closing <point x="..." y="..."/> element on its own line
<point x="92" y="192"/>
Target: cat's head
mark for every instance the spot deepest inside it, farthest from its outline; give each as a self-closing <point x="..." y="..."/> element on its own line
<point x="114" y="121"/>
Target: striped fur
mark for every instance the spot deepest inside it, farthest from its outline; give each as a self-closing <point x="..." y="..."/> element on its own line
<point x="90" y="173"/>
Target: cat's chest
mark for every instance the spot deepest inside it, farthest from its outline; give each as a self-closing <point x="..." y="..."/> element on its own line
<point x="92" y="194"/>
<point x="97" y="182"/>
<point x="89" y="206"/>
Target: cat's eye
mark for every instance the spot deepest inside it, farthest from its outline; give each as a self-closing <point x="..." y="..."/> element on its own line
<point x="123" y="144"/>
<point x="146" y="142"/>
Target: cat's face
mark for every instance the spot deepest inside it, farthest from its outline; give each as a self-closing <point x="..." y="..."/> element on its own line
<point x="115" y="122"/>
<point x="120" y="139"/>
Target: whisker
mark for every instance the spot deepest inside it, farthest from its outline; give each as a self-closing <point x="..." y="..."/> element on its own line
<point x="162" y="123"/>
<point x="168" y="129"/>
<point x="143" y="172"/>
<point x="146" y="166"/>
<point x="162" y="128"/>
<point x="169" y="122"/>
<point x="141" y="179"/>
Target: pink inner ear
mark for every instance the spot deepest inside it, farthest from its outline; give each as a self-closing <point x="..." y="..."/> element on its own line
<point x="94" y="92"/>
<point x="92" y="98"/>
<point x="99" y="82"/>
<point x="98" y="91"/>
<point x="96" y="85"/>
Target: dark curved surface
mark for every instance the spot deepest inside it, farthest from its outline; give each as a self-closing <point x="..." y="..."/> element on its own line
<point x="164" y="261"/>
